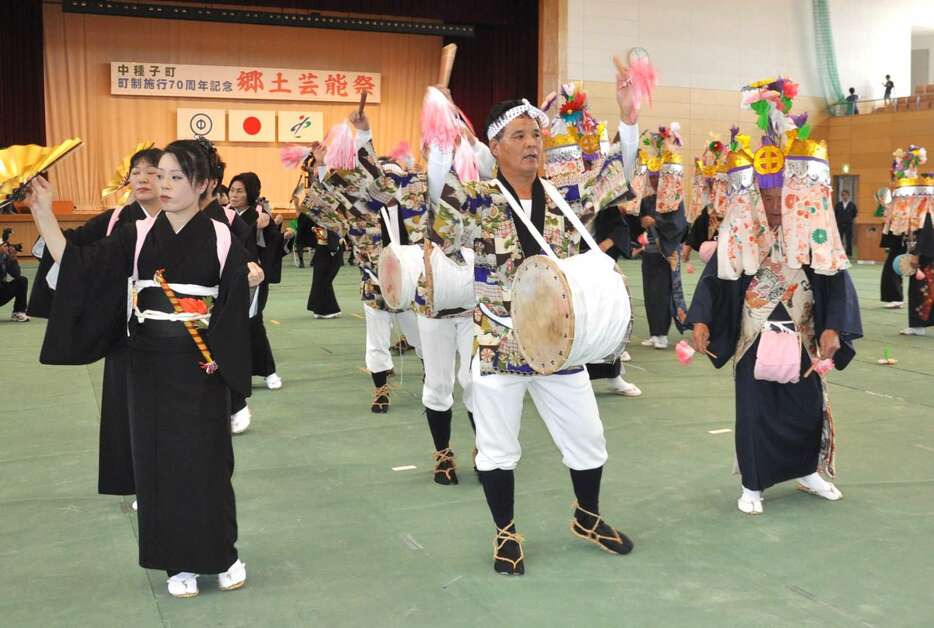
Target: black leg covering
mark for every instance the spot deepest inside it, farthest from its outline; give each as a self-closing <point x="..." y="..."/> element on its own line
<point x="587" y="488"/>
<point x="379" y="379"/>
<point x="439" y="422"/>
<point x="499" y="486"/>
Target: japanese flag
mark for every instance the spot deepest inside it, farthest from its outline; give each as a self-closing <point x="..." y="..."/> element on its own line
<point x="249" y="125"/>
<point x="301" y="126"/>
<point x="209" y="123"/>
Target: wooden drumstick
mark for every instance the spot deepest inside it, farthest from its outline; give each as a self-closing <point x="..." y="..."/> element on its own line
<point x="363" y="96"/>
<point x="707" y="351"/>
<point x="447" y="64"/>
<point x="621" y="68"/>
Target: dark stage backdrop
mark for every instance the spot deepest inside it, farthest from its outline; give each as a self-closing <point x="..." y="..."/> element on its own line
<point x="22" y="99"/>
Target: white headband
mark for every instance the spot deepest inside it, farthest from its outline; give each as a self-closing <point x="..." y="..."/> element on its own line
<point x="525" y="108"/>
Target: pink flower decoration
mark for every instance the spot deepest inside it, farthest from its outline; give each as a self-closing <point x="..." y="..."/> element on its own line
<point x="823" y="366"/>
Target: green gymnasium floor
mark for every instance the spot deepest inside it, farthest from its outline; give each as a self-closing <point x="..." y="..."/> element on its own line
<point x="333" y="537"/>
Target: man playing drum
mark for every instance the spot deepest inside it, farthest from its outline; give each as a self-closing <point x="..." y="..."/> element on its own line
<point x="481" y="216"/>
<point x="445" y="328"/>
<point x="338" y="199"/>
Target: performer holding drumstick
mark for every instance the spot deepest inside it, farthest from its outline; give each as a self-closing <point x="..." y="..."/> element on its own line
<point x="484" y="216"/>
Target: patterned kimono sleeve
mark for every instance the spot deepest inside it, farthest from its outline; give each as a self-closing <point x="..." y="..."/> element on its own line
<point x="414" y="205"/>
<point x="455" y="221"/>
<point x="328" y="207"/>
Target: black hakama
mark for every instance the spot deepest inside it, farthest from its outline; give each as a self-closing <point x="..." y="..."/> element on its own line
<point x="892" y="288"/>
<point x="921" y="291"/>
<point x="921" y="295"/>
<point x="778" y="426"/>
<point x="661" y="290"/>
<point x="325" y="265"/>
<point x="115" y="460"/>
<point x="179" y="415"/>
<point x="269" y="256"/>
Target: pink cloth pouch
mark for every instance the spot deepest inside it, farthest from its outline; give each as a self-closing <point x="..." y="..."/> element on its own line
<point x="778" y="358"/>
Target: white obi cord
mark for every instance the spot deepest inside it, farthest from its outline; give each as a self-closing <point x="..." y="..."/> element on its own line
<point x="183" y="288"/>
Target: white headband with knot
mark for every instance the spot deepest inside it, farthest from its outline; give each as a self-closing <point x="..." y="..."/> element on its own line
<point x="526" y="108"/>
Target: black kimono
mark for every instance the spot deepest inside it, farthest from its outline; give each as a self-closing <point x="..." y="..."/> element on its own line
<point x="699" y="231"/>
<point x="238" y="228"/>
<point x="779" y="427"/>
<point x="269" y="255"/>
<point x="661" y="286"/>
<point x="115" y="461"/>
<point x="892" y="288"/>
<point x="921" y="291"/>
<point x="609" y="224"/>
<point x="179" y="414"/>
<point x="325" y="265"/>
<point x="244" y="234"/>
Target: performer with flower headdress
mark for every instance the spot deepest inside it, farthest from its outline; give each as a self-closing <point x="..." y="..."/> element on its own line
<point x="777" y="298"/>
<point x="188" y="348"/>
<point x="909" y="234"/>
<point x="661" y="215"/>
<point x="576" y="142"/>
<point x="506" y="221"/>
<point x="705" y="212"/>
<point x="137" y="175"/>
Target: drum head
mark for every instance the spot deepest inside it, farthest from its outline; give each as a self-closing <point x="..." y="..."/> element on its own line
<point x="543" y="314"/>
<point x="389" y="270"/>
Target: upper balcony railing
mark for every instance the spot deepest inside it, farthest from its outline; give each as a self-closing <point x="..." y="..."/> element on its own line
<point x="921" y="100"/>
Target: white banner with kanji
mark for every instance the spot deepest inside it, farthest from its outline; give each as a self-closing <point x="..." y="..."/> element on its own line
<point x="135" y="78"/>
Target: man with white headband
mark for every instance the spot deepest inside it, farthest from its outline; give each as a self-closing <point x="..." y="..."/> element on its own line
<point x="483" y="216"/>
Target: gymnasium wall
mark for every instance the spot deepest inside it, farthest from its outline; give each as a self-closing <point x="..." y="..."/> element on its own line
<point x="865" y="144"/>
<point x="705" y="50"/>
<point x="79" y="49"/>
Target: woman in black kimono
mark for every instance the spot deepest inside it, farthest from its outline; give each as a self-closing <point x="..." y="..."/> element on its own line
<point x="179" y="421"/>
<point x="244" y="193"/>
<point x="115" y="462"/>
<point x="212" y="206"/>
<point x="892" y="289"/>
<point x="322" y="302"/>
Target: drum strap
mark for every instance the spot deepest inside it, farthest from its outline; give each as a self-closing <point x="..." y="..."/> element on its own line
<point x="526" y="220"/>
<point x="562" y="204"/>
<point x="391" y="225"/>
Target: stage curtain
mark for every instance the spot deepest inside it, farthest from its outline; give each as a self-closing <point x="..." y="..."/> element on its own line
<point x="79" y="49"/>
<point x="21" y="98"/>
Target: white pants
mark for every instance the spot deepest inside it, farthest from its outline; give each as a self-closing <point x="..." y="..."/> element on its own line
<point x="379" y="335"/>
<point x="566" y="404"/>
<point x="443" y="341"/>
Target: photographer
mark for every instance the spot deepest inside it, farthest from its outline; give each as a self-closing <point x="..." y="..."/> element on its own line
<point x="13" y="286"/>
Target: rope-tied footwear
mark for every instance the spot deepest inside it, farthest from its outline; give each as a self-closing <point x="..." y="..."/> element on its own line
<point x="591" y="527"/>
<point x="445" y="468"/>
<point x="508" y="555"/>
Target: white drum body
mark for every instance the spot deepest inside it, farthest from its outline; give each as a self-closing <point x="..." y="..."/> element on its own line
<point x="570" y="312"/>
<point x="399" y="268"/>
<point x="452" y="283"/>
